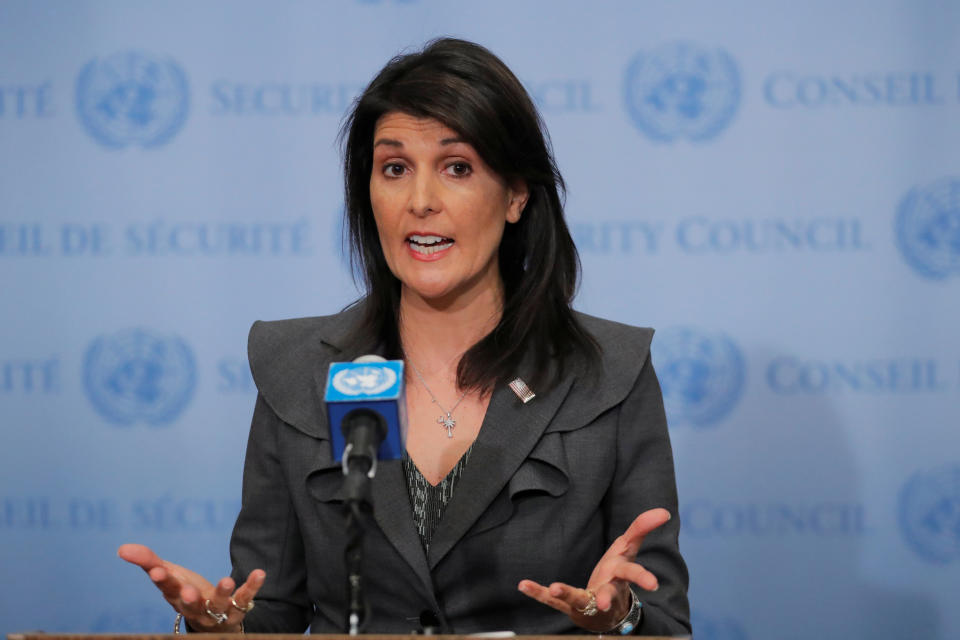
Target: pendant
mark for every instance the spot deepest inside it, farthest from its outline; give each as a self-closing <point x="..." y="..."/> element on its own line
<point x="448" y="423"/>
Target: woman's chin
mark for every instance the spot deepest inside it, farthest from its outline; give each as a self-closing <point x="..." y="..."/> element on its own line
<point x="447" y="291"/>
<point x="432" y="293"/>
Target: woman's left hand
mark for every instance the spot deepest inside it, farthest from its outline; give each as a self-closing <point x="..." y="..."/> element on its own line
<point x="609" y="581"/>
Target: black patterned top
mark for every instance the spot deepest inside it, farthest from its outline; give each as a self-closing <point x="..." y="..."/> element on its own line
<point x="428" y="501"/>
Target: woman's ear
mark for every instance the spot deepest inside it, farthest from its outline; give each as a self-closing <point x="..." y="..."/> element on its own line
<point x="519" y="194"/>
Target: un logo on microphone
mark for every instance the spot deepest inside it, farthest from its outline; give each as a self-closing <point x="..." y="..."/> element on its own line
<point x="364" y="380"/>
<point x="681" y="90"/>
<point x="702" y="375"/>
<point x="930" y="514"/>
<point x="928" y="228"/>
<point x="132" y="99"/>
<point x="137" y="375"/>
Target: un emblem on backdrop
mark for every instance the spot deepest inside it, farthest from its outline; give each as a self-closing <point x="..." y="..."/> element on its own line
<point x="928" y="228"/>
<point x="930" y="514"/>
<point x="136" y="375"/>
<point x="701" y="374"/>
<point x="681" y="90"/>
<point x="132" y="99"/>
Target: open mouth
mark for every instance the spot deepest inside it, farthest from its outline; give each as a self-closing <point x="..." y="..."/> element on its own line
<point x="426" y="245"/>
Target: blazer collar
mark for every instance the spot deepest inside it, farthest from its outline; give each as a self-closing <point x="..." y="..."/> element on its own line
<point x="509" y="432"/>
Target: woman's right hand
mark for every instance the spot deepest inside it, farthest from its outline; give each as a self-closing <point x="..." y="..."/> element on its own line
<point x="192" y="595"/>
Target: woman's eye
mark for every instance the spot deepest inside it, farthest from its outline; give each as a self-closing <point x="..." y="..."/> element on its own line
<point x="393" y="170"/>
<point x="459" y="169"/>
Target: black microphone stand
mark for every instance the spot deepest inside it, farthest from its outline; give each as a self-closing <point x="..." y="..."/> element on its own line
<point x="363" y="430"/>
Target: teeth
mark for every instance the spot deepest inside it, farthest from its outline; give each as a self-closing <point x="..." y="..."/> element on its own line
<point x="433" y="248"/>
<point x="427" y="239"/>
<point x="425" y="245"/>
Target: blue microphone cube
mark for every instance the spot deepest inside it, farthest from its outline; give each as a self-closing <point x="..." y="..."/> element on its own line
<point x="377" y="386"/>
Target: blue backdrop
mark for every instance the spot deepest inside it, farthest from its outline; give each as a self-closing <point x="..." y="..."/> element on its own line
<point x="774" y="186"/>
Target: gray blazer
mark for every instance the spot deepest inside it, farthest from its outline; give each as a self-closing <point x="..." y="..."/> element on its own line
<point x="548" y="487"/>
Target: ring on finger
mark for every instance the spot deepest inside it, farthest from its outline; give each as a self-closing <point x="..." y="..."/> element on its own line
<point x="245" y="609"/>
<point x="219" y="618"/>
<point x="591" y="608"/>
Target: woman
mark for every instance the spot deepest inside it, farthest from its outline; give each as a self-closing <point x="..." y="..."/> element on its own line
<point x="503" y="503"/>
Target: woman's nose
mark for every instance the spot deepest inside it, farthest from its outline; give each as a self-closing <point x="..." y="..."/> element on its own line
<point x="424" y="196"/>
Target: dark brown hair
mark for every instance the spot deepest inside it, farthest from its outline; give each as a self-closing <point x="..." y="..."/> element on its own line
<point x="470" y="90"/>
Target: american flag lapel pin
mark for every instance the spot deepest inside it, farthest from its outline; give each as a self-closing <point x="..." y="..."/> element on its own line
<point x="519" y="387"/>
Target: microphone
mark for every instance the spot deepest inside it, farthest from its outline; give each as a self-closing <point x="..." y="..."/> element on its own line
<point x="368" y="420"/>
<point x="367" y="412"/>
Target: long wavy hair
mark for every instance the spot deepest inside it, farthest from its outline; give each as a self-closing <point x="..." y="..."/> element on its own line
<point x="467" y="88"/>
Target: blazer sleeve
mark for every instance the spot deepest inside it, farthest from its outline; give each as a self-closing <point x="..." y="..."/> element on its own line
<point x="644" y="479"/>
<point x="267" y="534"/>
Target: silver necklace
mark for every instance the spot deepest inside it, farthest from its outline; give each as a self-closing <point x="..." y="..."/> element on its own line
<point x="446" y="418"/>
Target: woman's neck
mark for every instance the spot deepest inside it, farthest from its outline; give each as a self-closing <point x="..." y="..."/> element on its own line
<point x="435" y="334"/>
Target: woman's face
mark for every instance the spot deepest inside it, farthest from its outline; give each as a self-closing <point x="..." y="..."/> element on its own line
<point x="440" y="210"/>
